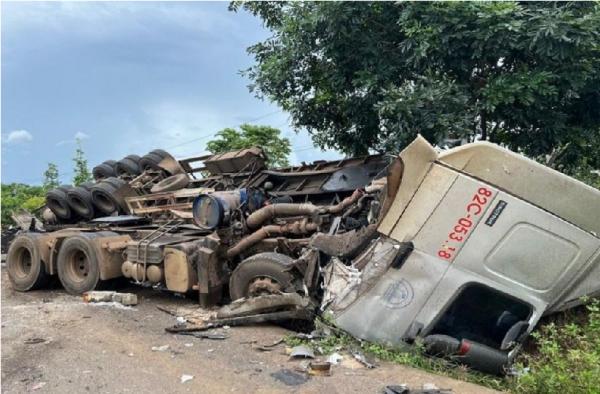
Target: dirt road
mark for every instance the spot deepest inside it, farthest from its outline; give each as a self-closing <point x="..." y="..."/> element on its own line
<point x="100" y="349"/>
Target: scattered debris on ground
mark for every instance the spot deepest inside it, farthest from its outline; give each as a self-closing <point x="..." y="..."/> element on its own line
<point x="126" y="299"/>
<point x="290" y="378"/>
<point x="185" y="378"/>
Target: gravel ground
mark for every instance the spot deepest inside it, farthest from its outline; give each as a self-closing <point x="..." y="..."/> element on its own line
<point x="100" y="349"/>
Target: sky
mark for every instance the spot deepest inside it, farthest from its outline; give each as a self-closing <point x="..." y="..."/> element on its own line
<point x="125" y="78"/>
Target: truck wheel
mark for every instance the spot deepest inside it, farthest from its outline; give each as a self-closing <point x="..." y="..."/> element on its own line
<point x="162" y="153"/>
<point x="86" y="185"/>
<point x="58" y="203"/>
<point x="150" y="162"/>
<point x="78" y="266"/>
<point x="171" y="184"/>
<point x="129" y="165"/>
<point x="260" y="274"/>
<point x="103" y="171"/>
<point x="103" y="198"/>
<point x="116" y="182"/>
<point x="24" y="264"/>
<point x="81" y="201"/>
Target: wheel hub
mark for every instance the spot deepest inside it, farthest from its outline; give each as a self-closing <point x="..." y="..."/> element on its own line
<point x="78" y="266"/>
<point x="23" y="263"/>
<point x="263" y="285"/>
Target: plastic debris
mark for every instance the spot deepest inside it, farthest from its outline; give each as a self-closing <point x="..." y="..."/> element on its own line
<point x="302" y="351"/>
<point x="185" y="378"/>
<point x="430" y="386"/>
<point x="290" y="378"/>
<point x="160" y="348"/>
<point x="38" y="386"/>
<point x="335" y="358"/>
<point x="188" y="344"/>
<point x="319" y="369"/>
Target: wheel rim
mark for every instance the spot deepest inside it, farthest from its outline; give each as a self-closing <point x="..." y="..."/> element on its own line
<point x="104" y="203"/>
<point x="77" y="266"/>
<point x="23" y="263"/>
<point x="263" y="285"/>
<point x="80" y="206"/>
<point x="58" y="207"/>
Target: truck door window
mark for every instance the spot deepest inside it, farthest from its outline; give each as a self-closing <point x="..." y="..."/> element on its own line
<point x="482" y="315"/>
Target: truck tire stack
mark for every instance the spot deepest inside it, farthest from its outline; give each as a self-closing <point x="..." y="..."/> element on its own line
<point x="89" y="200"/>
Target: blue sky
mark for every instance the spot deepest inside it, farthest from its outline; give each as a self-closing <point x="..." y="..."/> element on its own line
<point x="127" y="77"/>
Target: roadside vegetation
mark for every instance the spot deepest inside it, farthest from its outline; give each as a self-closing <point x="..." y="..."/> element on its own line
<point x="30" y="197"/>
<point x="561" y="356"/>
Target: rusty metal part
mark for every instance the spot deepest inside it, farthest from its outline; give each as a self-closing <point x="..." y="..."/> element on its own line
<point x="346" y="202"/>
<point x="257" y="218"/>
<point x="179" y="273"/>
<point x="163" y="202"/>
<point x="319" y="369"/>
<point x="171" y="165"/>
<point x="236" y="161"/>
<point x="344" y="244"/>
<point x="299" y="227"/>
<point x="253" y="305"/>
<point x="263" y="285"/>
<point x="246" y="320"/>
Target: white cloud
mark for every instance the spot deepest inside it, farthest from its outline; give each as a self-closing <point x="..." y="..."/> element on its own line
<point x="78" y="136"/>
<point x="81" y="136"/>
<point x="19" y="136"/>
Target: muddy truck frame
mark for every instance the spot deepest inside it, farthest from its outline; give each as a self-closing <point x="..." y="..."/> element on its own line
<point x="464" y="250"/>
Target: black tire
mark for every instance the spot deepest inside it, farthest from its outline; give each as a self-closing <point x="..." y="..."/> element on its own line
<point x="24" y="264"/>
<point x="102" y="195"/>
<point x="103" y="171"/>
<point x="128" y="166"/>
<point x="116" y="182"/>
<point x="86" y="185"/>
<point x="58" y="203"/>
<point x="81" y="202"/>
<point x="162" y="153"/>
<point x="172" y="183"/>
<point x="150" y="162"/>
<point x="78" y="264"/>
<point x="263" y="266"/>
<point x="65" y="188"/>
<point x="110" y="162"/>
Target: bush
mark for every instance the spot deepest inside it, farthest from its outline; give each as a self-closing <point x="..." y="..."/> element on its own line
<point x="567" y="359"/>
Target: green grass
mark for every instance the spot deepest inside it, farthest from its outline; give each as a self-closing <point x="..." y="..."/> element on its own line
<point x="563" y="355"/>
<point x="412" y="356"/>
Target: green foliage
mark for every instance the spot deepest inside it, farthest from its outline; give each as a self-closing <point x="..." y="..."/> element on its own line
<point x="82" y="173"/>
<point x="412" y="356"/>
<point x="567" y="359"/>
<point x="51" y="177"/>
<point x="276" y="148"/>
<point x="18" y="195"/>
<point x="361" y="75"/>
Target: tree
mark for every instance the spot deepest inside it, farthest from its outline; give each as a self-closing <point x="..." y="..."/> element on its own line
<point x="19" y="195"/>
<point x="276" y="148"/>
<point x="360" y="75"/>
<point x="51" y="177"/>
<point x="82" y="174"/>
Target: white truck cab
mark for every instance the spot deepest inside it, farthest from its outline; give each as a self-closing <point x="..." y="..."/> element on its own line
<point x="478" y="244"/>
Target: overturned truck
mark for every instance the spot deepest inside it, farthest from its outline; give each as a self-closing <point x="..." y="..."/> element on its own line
<point x="465" y="249"/>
